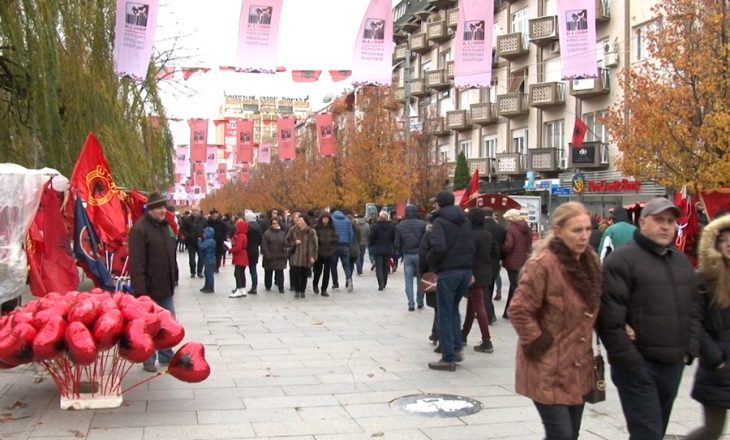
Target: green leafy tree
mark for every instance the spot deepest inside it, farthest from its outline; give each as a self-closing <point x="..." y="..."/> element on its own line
<point x="461" y="174"/>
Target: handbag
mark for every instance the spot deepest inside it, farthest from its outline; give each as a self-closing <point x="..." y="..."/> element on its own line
<point x="429" y="281"/>
<point x="598" y="392"/>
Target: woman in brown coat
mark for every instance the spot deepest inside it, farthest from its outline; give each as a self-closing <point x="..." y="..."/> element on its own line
<point x="515" y="250"/>
<point x="553" y="311"/>
<point x="303" y="241"/>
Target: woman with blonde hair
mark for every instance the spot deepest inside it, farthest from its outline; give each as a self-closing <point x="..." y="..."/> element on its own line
<point x="712" y="380"/>
<point x="553" y="311"/>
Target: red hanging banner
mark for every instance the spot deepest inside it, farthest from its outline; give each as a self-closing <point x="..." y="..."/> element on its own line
<point x="244" y="140"/>
<point x="198" y="139"/>
<point x="326" y="135"/>
<point x="286" y="137"/>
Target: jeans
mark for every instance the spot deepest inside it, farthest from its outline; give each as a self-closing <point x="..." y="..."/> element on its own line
<point x="647" y="394"/>
<point x="561" y="422"/>
<point x="166" y="354"/>
<point x="475" y="307"/>
<point x="278" y="276"/>
<point x="361" y="258"/>
<point x="208" y="273"/>
<point x="410" y="271"/>
<point x="451" y="287"/>
<point x="239" y="273"/>
<point x="220" y="251"/>
<point x="322" y="267"/>
<point x="513" y="280"/>
<point x="382" y="269"/>
<point x="193" y="253"/>
<point x="342" y="253"/>
<point x="252" y="271"/>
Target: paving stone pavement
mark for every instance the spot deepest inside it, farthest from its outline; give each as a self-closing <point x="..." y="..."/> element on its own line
<point x="316" y="368"/>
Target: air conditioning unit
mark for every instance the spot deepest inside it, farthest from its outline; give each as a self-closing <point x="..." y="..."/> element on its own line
<point x="555" y="47"/>
<point x="610" y="60"/>
<point x="563" y="165"/>
<point x="610" y="46"/>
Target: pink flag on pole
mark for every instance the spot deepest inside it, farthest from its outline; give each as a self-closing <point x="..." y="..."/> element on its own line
<point x="265" y="152"/>
<point x="373" y="58"/>
<point x="577" y="27"/>
<point x="244" y="140"/>
<point x="258" y="34"/>
<point x="473" y="61"/>
<point x="182" y="162"/>
<point x="326" y="135"/>
<point x="198" y="139"/>
<point x="211" y="162"/>
<point x="134" y="34"/>
<point x="230" y="134"/>
<point x="286" y="138"/>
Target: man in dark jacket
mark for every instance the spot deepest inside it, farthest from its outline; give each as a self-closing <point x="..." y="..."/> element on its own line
<point x="152" y="263"/>
<point x="408" y="235"/>
<point x="346" y="237"/>
<point x="498" y="234"/>
<point x="219" y="235"/>
<point x="647" y="321"/>
<point x="255" y="234"/>
<point x="451" y="255"/>
<point x="192" y="228"/>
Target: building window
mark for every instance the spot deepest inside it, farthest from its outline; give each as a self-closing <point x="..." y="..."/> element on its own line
<point x="597" y="132"/>
<point x="252" y="108"/>
<point x="551" y="7"/>
<point x="640" y="49"/>
<point x="445" y="58"/>
<point x="444" y="153"/>
<point x="465" y="147"/>
<point x="520" y="24"/>
<point x="489" y="147"/>
<point x="554" y="134"/>
<point x="519" y="141"/>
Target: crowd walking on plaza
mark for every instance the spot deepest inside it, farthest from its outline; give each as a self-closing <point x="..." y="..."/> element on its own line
<point x="653" y="312"/>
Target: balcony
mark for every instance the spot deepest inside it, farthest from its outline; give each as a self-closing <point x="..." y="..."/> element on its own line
<point x="436" y="127"/>
<point x="439" y="3"/>
<point x="542" y="159"/>
<point x="436" y="79"/>
<point x="458" y="120"/>
<point x="590" y="87"/>
<point x="483" y="164"/>
<point x="510" y="163"/>
<point x="589" y="155"/>
<point x="400" y="52"/>
<point x="484" y="113"/>
<point x="544" y="30"/>
<point x="547" y="94"/>
<point x="512" y="105"/>
<point x="512" y="46"/>
<point x="452" y="18"/>
<point x="450" y="70"/>
<point x="418" y="87"/>
<point x="438" y="32"/>
<point x="400" y="94"/>
<point x="400" y="37"/>
<point x="603" y="11"/>
<point x="419" y="43"/>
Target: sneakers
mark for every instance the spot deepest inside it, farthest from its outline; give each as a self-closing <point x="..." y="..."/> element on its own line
<point x="348" y="283"/>
<point x="442" y="365"/>
<point x="484" y="347"/>
<point x="150" y="368"/>
<point x="237" y="293"/>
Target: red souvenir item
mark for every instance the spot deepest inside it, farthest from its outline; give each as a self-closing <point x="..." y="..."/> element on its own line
<point x="131" y="312"/>
<point x="171" y="332"/>
<point x="81" y="346"/>
<point x="55" y="306"/>
<point x="22" y="318"/>
<point x="135" y="344"/>
<point x="188" y="364"/>
<point x="18" y="347"/>
<point x="84" y="312"/>
<point x="107" y="304"/>
<point x="108" y="328"/>
<point x="49" y="342"/>
<point x="40" y="318"/>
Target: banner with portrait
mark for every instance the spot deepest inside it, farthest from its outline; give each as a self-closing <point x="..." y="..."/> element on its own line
<point x="182" y="161"/>
<point x="473" y="61"/>
<point x="134" y="35"/>
<point x="286" y="137"/>
<point x="198" y="139"/>
<point x="244" y="141"/>
<point x="258" y="35"/>
<point x="372" y="61"/>
<point x="326" y="135"/>
<point x="577" y="27"/>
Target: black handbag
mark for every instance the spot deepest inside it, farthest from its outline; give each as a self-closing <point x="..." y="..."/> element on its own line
<point x="598" y="392"/>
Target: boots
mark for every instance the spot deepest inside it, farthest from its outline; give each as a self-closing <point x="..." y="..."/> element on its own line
<point x="252" y="291"/>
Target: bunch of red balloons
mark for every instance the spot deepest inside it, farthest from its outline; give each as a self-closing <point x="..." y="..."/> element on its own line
<point x="82" y="325"/>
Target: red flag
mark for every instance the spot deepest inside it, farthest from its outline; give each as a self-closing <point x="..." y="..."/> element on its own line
<point x="166" y="72"/>
<point x="287" y="138"/>
<point x="189" y="71"/>
<point x="579" y="132"/>
<point x="471" y="191"/>
<point x="305" y="75"/>
<point x="688" y="222"/>
<point x="198" y="139"/>
<point x="716" y="201"/>
<point x="244" y="141"/>
<point x="340" y="75"/>
<point x="325" y="135"/>
<point x="92" y="180"/>
<point x="51" y="261"/>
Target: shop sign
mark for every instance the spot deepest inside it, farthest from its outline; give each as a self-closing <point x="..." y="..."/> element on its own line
<point x="614" y="186"/>
<point x="579" y="183"/>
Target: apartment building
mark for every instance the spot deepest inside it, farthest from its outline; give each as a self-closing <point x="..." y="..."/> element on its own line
<point x="518" y="131"/>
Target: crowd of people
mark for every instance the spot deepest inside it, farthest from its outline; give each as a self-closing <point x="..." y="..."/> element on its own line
<point x="627" y="282"/>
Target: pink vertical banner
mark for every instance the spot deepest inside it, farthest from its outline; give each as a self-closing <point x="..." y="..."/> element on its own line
<point x="222" y="174"/>
<point x="244" y="141"/>
<point x="265" y="152"/>
<point x="229" y="135"/>
<point x="182" y="161"/>
<point x="326" y="135"/>
<point x="134" y="34"/>
<point x="577" y="27"/>
<point x="245" y="175"/>
<point x="198" y="139"/>
<point x="286" y="137"/>
<point x="473" y="61"/>
<point x="211" y="158"/>
<point x="258" y="35"/>
<point x="372" y="61"/>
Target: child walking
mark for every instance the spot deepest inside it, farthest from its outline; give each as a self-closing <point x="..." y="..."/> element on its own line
<point x="207" y="253"/>
<point x="240" y="258"/>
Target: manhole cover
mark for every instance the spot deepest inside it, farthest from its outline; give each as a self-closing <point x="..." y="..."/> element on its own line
<point x="437" y="405"/>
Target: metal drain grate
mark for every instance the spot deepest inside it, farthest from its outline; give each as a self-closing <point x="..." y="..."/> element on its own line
<point x="437" y="405"/>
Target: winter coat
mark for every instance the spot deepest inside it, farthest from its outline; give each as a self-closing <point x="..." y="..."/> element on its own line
<point x="499" y="233"/>
<point x="553" y="312"/>
<point x="219" y="230"/>
<point x="409" y="232"/>
<point x="712" y="386"/>
<point x="192" y="227"/>
<point x="450" y="244"/>
<point x="254" y="241"/>
<point x="382" y="237"/>
<point x="652" y="289"/>
<point x="517" y="245"/>
<point x="207" y="246"/>
<point x="595" y="239"/>
<point x="343" y="226"/>
<point x="240" y="244"/>
<point x="355" y="245"/>
<point x="152" y="259"/>
<point x="364" y="231"/>
<point x="326" y="237"/>
<point x="304" y="251"/>
<point x="273" y="248"/>
<point x="618" y="234"/>
<point x="485" y="249"/>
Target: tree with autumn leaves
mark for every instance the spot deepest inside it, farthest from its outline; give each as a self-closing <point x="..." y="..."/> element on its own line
<point x="374" y="163"/>
<point x="673" y="124"/>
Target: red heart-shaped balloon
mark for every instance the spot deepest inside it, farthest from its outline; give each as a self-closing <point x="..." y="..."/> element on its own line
<point x="135" y="344"/>
<point x="107" y="304"/>
<point x="32" y="306"/>
<point x="108" y="328"/>
<point x="84" y="312"/>
<point x="49" y="342"/>
<point x="56" y="307"/>
<point x="189" y="364"/>
<point x="131" y="311"/>
<point x="17" y="348"/>
<point x="171" y="332"/>
<point x="81" y="346"/>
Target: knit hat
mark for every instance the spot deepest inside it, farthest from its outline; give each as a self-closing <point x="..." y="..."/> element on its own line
<point x="445" y="198"/>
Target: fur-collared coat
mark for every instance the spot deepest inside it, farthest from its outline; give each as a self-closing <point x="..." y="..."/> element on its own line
<point x="712" y="384"/>
<point x="553" y="311"/>
<point x="305" y="252"/>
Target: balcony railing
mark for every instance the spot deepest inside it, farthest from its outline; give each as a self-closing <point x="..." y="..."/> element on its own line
<point x="452" y="17"/>
<point x="458" y="120"/>
<point x="438" y="32"/>
<point x="603" y="11"/>
<point x="419" y="43"/>
<point x="589" y="155"/>
<point x="512" y="46"/>
<point x="511" y="105"/>
<point x="418" y="87"/>
<point x="586" y="88"/>
<point x="542" y="159"/>
<point x="436" y="127"/>
<point x="400" y="52"/>
<point x="484" y="113"/>
<point x="450" y="70"/>
<point x="436" y="79"/>
<point x="483" y="164"/>
<point x="547" y="94"/>
<point x="510" y="163"/>
<point x="544" y="30"/>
